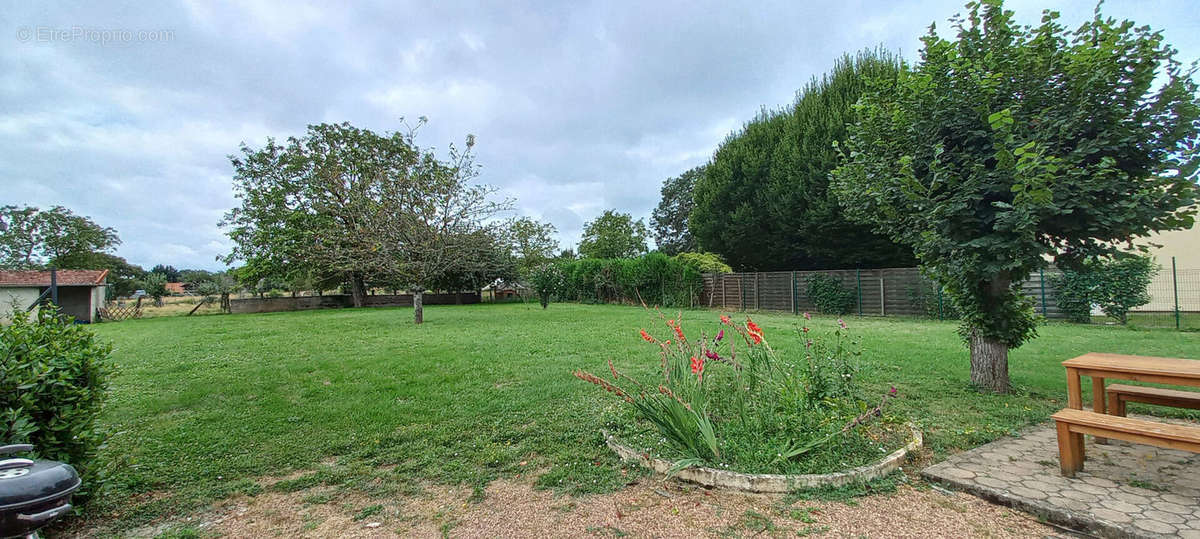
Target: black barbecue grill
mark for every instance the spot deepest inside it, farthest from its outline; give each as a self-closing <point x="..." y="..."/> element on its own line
<point x="32" y="492"/>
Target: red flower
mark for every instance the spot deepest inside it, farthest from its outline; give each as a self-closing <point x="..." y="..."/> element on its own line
<point x="712" y="355"/>
<point x="679" y="333"/>
<point x="805" y="328"/>
<point x="725" y="320"/>
<point x="754" y="331"/>
<point x="646" y="336"/>
<point x="697" y="366"/>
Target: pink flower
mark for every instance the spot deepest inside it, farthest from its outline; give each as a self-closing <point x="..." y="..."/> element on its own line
<point x="892" y="391"/>
<point x="712" y="355"/>
<point x="807" y="316"/>
<point x="842" y="323"/>
<point x="720" y="335"/>
<point x="808" y="344"/>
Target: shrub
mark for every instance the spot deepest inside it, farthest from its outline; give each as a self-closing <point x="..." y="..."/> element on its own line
<point x="829" y="296"/>
<point x="924" y="298"/>
<point x="729" y="399"/>
<point x="654" y="279"/>
<point x="704" y="262"/>
<point x="546" y="280"/>
<point x="1116" y="285"/>
<point x="53" y="382"/>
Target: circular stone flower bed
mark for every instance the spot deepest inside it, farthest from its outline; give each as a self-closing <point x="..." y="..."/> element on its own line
<point x="769" y="483"/>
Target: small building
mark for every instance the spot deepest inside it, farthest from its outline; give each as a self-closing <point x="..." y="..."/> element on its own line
<point x="176" y="289"/>
<point x="80" y="292"/>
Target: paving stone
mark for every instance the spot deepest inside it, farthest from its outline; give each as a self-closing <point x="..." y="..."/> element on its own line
<point x="1081" y="496"/>
<point x="1099" y="482"/>
<point x="1190" y="534"/>
<point x="1186" y="501"/>
<point x="1163" y="516"/>
<point x="1173" y="508"/>
<point x="1005" y="476"/>
<point x="1135" y="499"/>
<point x="1068" y="503"/>
<point x="1117" y="505"/>
<point x="1028" y="493"/>
<point x="992" y="482"/>
<point x="1090" y="489"/>
<point x="1154" y="526"/>
<point x="1111" y="516"/>
<point x="957" y="473"/>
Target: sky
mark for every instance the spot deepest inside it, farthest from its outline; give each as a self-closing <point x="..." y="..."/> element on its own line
<point x="127" y="112"/>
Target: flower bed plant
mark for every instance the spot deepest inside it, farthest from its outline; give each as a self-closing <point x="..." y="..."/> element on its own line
<point x="728" y="400"/>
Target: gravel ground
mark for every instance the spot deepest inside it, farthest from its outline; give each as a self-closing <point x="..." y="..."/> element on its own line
<point x="649" y="508"/>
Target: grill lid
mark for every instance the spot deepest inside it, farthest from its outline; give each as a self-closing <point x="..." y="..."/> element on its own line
<point x="41" y="481"/>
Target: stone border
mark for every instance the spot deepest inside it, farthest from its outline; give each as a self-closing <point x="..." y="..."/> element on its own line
<point x="769" y="483"/>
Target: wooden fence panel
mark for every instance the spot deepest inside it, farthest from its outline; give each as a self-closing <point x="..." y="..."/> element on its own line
<point x="880" y="292"/>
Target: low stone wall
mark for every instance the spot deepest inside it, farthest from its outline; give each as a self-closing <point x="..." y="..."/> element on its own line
<point x="769" y="483"/>
<point x="303" y="303"/>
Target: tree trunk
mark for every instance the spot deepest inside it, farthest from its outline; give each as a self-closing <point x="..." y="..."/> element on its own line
<point x="418" y="307"/>
<point x="358" y="289"/>
<point x="989" y="364"/>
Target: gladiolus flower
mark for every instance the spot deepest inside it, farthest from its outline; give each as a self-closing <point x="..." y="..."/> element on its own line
<point x="712" y="355"/>
<point x="805" y="328"/>
<point x="679" y="333"/>
<point x="808" y="344"/>
<point x="842" y="323"/>
<point x="697" y="366"/>
<point x="646" y="336"/>
<point x="807" y="316"/>
<point x="892" y="391"/>
<point x="720" y="335"/>
<point x="725" y="320"/>
<point x="756" y="337"/>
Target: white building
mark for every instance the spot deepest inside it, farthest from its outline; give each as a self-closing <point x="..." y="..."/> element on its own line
<point x="80" y="292"/>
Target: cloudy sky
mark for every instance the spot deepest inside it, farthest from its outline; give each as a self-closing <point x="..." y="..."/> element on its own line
<point x="126" y="112"/>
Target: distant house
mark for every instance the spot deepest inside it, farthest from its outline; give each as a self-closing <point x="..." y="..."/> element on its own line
<point x="80" y="292"/>
<point x="176" y="288"/>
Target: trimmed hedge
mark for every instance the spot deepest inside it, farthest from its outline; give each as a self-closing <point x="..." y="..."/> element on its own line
<point x="654" y="278"/>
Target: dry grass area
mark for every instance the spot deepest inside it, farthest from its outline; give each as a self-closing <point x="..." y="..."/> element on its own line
<point x="648" y="507"/>
<point x="175" y="306"/>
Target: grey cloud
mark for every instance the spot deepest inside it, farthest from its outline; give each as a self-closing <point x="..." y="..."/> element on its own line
<point x="578" y="106"/>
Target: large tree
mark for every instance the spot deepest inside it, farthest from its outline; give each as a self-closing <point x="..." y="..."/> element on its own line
<point x="670" y="219"/>
<point x="532" y="243"/>
<point x="763" y="202"/>
<point x="1013" y="144"/>
<point x="431" y="222"/>
<point x="34" y="238"/>
<point x="613" y="235"/>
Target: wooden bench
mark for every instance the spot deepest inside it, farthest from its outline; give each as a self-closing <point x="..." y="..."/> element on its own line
<point x="1119" y="394"/>
<point x="1072" y="424"/>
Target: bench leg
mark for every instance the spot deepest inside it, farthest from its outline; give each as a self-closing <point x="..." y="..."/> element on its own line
<point x="1067" y="457"/>
<point x="1099" y="404"/>
<point x="1118" y="406"/>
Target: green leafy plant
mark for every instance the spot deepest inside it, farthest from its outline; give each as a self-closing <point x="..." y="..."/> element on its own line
<point x="829" y="295"/>
<point x="1115" y="285"/>
<point x="53" y="383"/>
<point x="715" y="395"/>
<point x="704" y="262"/>
<point x="652" y="278"/>
<point x="546" y="280"/>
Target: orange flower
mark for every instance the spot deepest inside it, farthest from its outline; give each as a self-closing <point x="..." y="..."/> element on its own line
<point x="757" y="337"/>
<point x="646" y="336"/>
<point x="697" y="366"/>
<point x="679" y="333"/>
<point x="725" y="320"/>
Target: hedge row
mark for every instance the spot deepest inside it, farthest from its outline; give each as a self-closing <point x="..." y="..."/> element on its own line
<point x="654" y="278"/>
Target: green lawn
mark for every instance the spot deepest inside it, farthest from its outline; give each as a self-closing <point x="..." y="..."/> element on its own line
<point x="202" y="405"/>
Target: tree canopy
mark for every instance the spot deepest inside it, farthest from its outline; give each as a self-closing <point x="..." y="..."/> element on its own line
<point x="1014" y="143"/>
<point x="32" y="238"/>
<point x="532" y="243"/>
<point x="613" y="235"/>
<point x="763" y="202"/>
<point x="670" y="219"/>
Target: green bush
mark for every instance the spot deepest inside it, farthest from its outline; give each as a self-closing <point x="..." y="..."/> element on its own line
<point x="654" y="278"/>
<point x="1116" y="285"/>
<point x="829" y="296"/>
<point x="546" y="280"/>
<point x="53" y="382"/>
<point x="924" y="298"/>
<point x="704" y="262"/>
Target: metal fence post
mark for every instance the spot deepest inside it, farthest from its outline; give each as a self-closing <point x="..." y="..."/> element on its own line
<point x="1042" y="278"/>
<point x="795" y="310"/>
<point x="1175" y="286"/>
<point x="858" y="278"/>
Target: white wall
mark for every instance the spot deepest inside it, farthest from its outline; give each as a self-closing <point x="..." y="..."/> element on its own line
<point x="22" y="296"/>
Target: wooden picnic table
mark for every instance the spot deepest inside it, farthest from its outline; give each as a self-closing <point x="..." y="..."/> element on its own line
<point x="1162" y="370"/>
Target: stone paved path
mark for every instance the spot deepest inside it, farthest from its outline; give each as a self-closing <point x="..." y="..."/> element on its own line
<point x="1125" y="490"/>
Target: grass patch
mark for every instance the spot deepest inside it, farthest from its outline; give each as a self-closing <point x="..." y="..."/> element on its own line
<point x="202" y="403"/>
<point x="847" y="493"/>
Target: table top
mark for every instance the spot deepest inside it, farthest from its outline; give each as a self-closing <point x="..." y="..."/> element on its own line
<point x="1119" y="363"/>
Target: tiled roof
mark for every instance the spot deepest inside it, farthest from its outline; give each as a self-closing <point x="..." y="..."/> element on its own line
<point x="42" y="278"/>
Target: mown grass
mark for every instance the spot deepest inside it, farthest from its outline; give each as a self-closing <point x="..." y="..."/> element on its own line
<point x="201" y="406"/>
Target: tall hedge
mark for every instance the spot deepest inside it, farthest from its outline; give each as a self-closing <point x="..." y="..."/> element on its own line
<point x="653" y="278"/>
